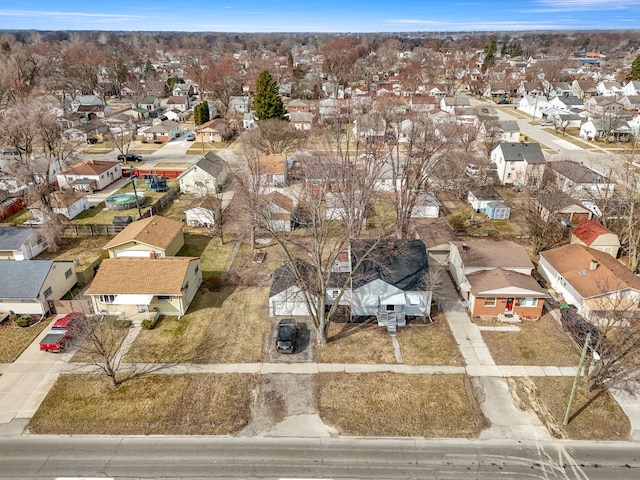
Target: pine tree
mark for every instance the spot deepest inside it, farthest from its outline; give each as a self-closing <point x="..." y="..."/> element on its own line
<point x="201" y="113"/>
<point x="490" y="50"/>
<point x="634" y="74"/>
<point x="266" y="102"/>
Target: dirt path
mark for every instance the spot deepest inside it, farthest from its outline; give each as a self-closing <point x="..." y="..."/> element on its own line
<point x="284" y="405"/>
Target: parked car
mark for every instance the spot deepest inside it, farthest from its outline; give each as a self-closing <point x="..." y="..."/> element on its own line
<point x="130" y="157"/>
<point x="546" y="124"/>
<point x="10" y="151"/>
<point x="191" y="136"/>
<point x="92" y="140"/>
<point x="286" y="335"/>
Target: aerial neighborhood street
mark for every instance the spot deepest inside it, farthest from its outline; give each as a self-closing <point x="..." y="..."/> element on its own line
<point x="266" y="257"/>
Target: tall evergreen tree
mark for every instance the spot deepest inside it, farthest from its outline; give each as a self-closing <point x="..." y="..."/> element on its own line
<point x="201" y="113"/>
<point x="266" y="102"/>
<point x="490" y="50"/>
<point x="634" y="74"/>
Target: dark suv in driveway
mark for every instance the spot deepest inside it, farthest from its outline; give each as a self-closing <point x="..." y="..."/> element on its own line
<point x="286" y="335"/>
<point x="130" y="157"/>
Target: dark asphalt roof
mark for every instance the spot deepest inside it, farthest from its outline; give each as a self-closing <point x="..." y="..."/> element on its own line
<point x="514" y="152"/>
<point x="401" y="263"/>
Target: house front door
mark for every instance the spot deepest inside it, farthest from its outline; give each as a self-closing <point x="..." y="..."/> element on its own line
<point x="509" y="306"/>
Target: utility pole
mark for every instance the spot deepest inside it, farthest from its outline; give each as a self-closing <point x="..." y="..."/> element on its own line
<point x="135" y="192"/>
<point x="575" y="381"/>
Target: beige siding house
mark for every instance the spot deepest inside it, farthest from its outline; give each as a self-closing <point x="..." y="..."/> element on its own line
<point x="592" y="234"/>
<point x="151" y="237"/>
<point x="33" y="284"/>
<point x="135" y="285"/>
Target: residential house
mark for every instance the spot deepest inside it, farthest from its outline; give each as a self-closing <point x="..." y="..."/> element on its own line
<point x="20" y="243"/>
<point x="599" y="106"/>
<point x="520" y="164"/>
<point x="177" y="102"/>
<point x="562" y="119"/>
<point x="531" y="89"/>
<point x="567" y="103"/>
<point x="129" y="285"/>
<point x="298" y="106"/>
<point x="451" y="104"/>
<point x="328" y="107"/>
<point x="269" y="170"/>
<point x="534" y="106"/>
<point x="593" y="281"/>
<point x="149" y="103"/>
<point x="610" y="129"/>
<point x="278" y="212"/>
<point x="182" y="90"/>
<point x="563" y="207"/>
<point x="249" y="120"/>
<point x="204" y="211"/>
<point x="90" y="175"/>
<point x="28" y="287"/>
<point x="370" y="126"/>
<point x="574" y="178"/>
<point x="631" y="103"/>
<point x="494" y="277"/>
<point x="560" y="89"/>
<point x="595" y="235"/>
<point x="151" y="237"/>
<point x="632" y="88"/>
<point x="92" y="112"/>
<point x="206" y="176"/>
<point x="80" y="100"/>
<point x="609" y="88"/>
<point x="68" y="203"/>
<point x="215" y="131"/>
<point x="300" y="120"/>
<point x="163" y="131"/>
<point x="239" y="104"/>
<point x="584" y="88"/>
<point x="510" y="131"/>
<point x="422" y="103"/>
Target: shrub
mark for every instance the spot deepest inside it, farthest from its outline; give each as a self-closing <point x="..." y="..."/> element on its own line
<point x="23" y="321"/>
<point x="148" y="324"/>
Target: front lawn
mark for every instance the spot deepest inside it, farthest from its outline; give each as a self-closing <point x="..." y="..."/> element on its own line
<point x="389" y="404"/>
<point x="223" y="325"/>
<point x="14" y="339"/>
<point x="195" y="404"/>
<point x="429" y="344"/>
<point x="356" y="343"/>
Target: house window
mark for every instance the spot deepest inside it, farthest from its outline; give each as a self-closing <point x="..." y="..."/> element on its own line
<point x="67" y="274"/>
<point x="186" y="286"/>
<point x="197" y="268"/>
<point x="490" y="302"/>
<point x="334" y="293"/>
<point x="48" y="292"/>
<point x="165" y="298"/>
<point x="529" y="302"/>
<point x="390" y="308"/>
<point x="107" y="298"/>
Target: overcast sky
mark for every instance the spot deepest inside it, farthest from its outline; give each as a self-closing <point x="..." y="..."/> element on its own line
<point x="320" y="15"/>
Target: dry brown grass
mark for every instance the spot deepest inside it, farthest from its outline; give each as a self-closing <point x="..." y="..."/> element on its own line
<point x="356" y="343"/>
<point x="429" y="344"/>
<point x="14" y="339"/>
<point x="83" y="249"/>
<point x="594" y="415"/>
<point x="228" y="325"/>
<point x="195" y="404"/>
<point x="537" y="343"/>
<point x="387" y="404"/>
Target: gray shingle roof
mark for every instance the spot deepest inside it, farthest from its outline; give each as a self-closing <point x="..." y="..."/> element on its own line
<point x="577" y="172"/>
<point x="212" y="164"/>
<point x="12" y="238"/>
<point x="518" y="152"/>
<point x="509" y="125"/>
<point x="24" y="279"/>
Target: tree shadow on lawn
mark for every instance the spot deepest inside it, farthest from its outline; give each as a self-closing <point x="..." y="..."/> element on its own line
<point x="592" y="399"/>
<point x="351" y="327"/>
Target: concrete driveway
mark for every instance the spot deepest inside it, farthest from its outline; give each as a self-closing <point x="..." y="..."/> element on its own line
<point x="25" y="382"/>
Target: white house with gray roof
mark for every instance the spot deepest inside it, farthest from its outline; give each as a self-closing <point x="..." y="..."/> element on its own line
<point x="520" y="164"/>
<point x="206" y="176"/>
<point x="20" y="243"/>
<point x="579" y="181"/>
<point x="27" y="287"/>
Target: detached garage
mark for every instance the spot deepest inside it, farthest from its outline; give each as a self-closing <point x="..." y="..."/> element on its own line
<point x="152" y="237"/>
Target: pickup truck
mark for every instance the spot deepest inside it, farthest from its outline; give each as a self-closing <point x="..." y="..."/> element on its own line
<point x="54" y="341"/>
<point x="62" y="331"/>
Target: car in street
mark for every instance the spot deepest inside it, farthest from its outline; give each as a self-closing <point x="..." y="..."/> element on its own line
<point x="10" y="151"/>
<point x="191" y="136"/>
<point x="286" y="335"/>
<point x="546" y="124"/>
<point x="130" y="157"/>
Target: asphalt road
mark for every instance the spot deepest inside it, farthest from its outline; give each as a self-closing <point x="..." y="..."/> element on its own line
<point x="263" y="458"/>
